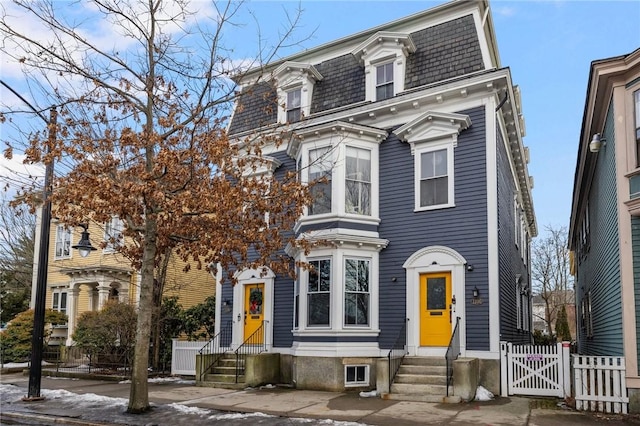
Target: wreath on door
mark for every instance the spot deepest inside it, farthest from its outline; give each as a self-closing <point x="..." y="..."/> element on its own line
<point x="255" y="300"/>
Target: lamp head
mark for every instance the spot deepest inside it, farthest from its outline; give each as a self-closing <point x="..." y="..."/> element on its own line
<point x="596" y="143"/>
<point x="84" y="245"/>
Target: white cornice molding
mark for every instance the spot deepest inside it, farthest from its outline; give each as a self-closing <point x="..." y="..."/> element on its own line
<point x="291" y="66"/>
<point x="433" y="125"/>
<point x="400" y="41"/>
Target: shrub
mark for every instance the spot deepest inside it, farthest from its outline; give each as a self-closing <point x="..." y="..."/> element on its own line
<point x="15" y="341"/>
<point x="109" y="333"/>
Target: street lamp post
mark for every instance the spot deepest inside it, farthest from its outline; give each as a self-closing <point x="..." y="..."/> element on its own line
<point x="37" y="339"/>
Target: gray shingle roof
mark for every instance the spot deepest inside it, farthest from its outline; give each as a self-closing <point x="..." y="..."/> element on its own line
<point x="444" y="51"/>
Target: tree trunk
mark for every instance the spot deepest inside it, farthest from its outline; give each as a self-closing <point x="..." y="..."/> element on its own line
<point x="139" y="394"/>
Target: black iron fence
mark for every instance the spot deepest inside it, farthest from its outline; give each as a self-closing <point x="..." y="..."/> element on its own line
<point x="69" y="359"/>
<point x="214" y="349"/>
<point x="453" y="351"/>
<point x="253" y="345"/>
<point x="397" y="353"/>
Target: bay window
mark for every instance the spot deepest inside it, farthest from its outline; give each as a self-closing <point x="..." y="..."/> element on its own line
<point x="319" y="293"/>
<point x="320" y="168"/>
<point x="356" y="292"/>
<point x="358" y="181"/>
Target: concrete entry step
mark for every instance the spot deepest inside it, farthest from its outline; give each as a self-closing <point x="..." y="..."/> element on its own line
<point x="418" y="389"/>
<point x="415" y="398"/>
<point x="425" y="361"/>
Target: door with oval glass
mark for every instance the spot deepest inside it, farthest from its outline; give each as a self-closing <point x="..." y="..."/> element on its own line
<point x="253" y="311"/>
<point x="435" y="309"/>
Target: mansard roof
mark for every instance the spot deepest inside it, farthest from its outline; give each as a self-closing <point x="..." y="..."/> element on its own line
<point x="443" y="51"/>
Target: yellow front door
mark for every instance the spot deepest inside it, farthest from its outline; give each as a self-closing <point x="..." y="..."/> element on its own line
<point x="435" y="309"/>
<point x="253" y="311"/>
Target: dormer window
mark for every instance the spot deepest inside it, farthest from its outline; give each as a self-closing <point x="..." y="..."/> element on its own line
<point x="294" y="110"/>
<point x="294" y="82"/>
<point x="384" y="81"/>
<point x="384" y="56"/>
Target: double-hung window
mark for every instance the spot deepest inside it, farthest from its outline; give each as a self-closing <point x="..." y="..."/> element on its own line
<point x="319" y="293"/>
<point x="320" y="166"/>
<point x="113" y="233"/>
<point x="59" y="301"/>
<point x="358" y="181"/>
<point x="294" y="105"/>
<point x="63" y="242"/>
<point x="434" y="178"/>
<point x="384" y="81"/>
<point x="356" y="291"/>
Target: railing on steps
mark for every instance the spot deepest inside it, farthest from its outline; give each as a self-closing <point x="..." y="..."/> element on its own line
<point x="453" y="351"/>
<point x="397" y="352"/>
<point x="216" y="348"/>
<point x="253" y="345"/>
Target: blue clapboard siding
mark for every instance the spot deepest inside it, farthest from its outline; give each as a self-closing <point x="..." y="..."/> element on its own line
<point x="635" y="242"/>
<point x="509" y="258"/>
<point x="599" y="271"/>
<point x="462" y="228"/>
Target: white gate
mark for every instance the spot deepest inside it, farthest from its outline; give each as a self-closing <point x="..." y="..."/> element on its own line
<point x="183" y="357"/>
<point x="540" y="370"/>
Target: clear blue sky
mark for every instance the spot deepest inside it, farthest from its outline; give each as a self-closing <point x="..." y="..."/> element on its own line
<point x="548" y="45"/>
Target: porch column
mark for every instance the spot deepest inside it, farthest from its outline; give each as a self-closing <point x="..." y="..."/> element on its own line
<point x="72" y="312"/>
<point x="103" y="295"/>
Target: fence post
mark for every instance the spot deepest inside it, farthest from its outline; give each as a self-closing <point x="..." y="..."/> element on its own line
<point x="503" y="369"/>
<point x="566" y="368"/>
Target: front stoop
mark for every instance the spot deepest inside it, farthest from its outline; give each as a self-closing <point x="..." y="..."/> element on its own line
<point x="223" y="375"/>
<point x="421" y="379"/>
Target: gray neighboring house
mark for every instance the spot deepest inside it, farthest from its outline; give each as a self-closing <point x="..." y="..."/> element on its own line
<point x="419" y="130"/>
<point x="604" y="231"/>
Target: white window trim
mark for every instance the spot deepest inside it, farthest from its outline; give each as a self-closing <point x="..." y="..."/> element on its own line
<point x="435" y="146"/>
<point x="295" y="75"/>
<point x="338" y="136"/>
<point x="431" y="131"/>
<point x="348" y="384"/>
<point x="114" y="224"/>
<point x="344" y="291"/>
<point x="60" y="291"/>
<point x="384" y="47"/>
<point x="66" y="231"/>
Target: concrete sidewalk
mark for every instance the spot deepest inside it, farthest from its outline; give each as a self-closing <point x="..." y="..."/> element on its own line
<point x="284" y="403"/>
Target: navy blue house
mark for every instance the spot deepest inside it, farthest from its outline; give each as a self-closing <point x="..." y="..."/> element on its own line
<point x="418" y="129"/>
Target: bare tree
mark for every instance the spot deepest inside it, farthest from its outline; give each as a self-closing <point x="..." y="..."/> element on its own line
<point x="142" y="110"/>
<point x="550" y="272"/>
<point x="17" y="229"/>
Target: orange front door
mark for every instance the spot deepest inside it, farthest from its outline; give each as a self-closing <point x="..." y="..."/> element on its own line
<point x="253" y="311"/>
<point x="435" y="309"/>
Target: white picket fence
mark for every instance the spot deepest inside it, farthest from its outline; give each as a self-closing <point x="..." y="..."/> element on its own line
<point x="540" y="370"/>
<point x="599" y="384"/>
<point x="599" y="381"/>
<point x="183" y="357"/>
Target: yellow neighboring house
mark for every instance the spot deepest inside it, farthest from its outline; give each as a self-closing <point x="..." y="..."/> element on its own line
<point x="77" y="284"/>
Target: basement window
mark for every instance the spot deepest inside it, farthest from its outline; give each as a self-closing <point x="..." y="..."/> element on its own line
<point x="356" y="375"/>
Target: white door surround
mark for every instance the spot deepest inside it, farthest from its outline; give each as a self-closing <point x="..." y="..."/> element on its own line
<point x="428" y="260"/>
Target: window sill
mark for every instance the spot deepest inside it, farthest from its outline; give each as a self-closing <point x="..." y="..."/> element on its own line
<point x="336" y="332"/>
<point x="438" y="207"/>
